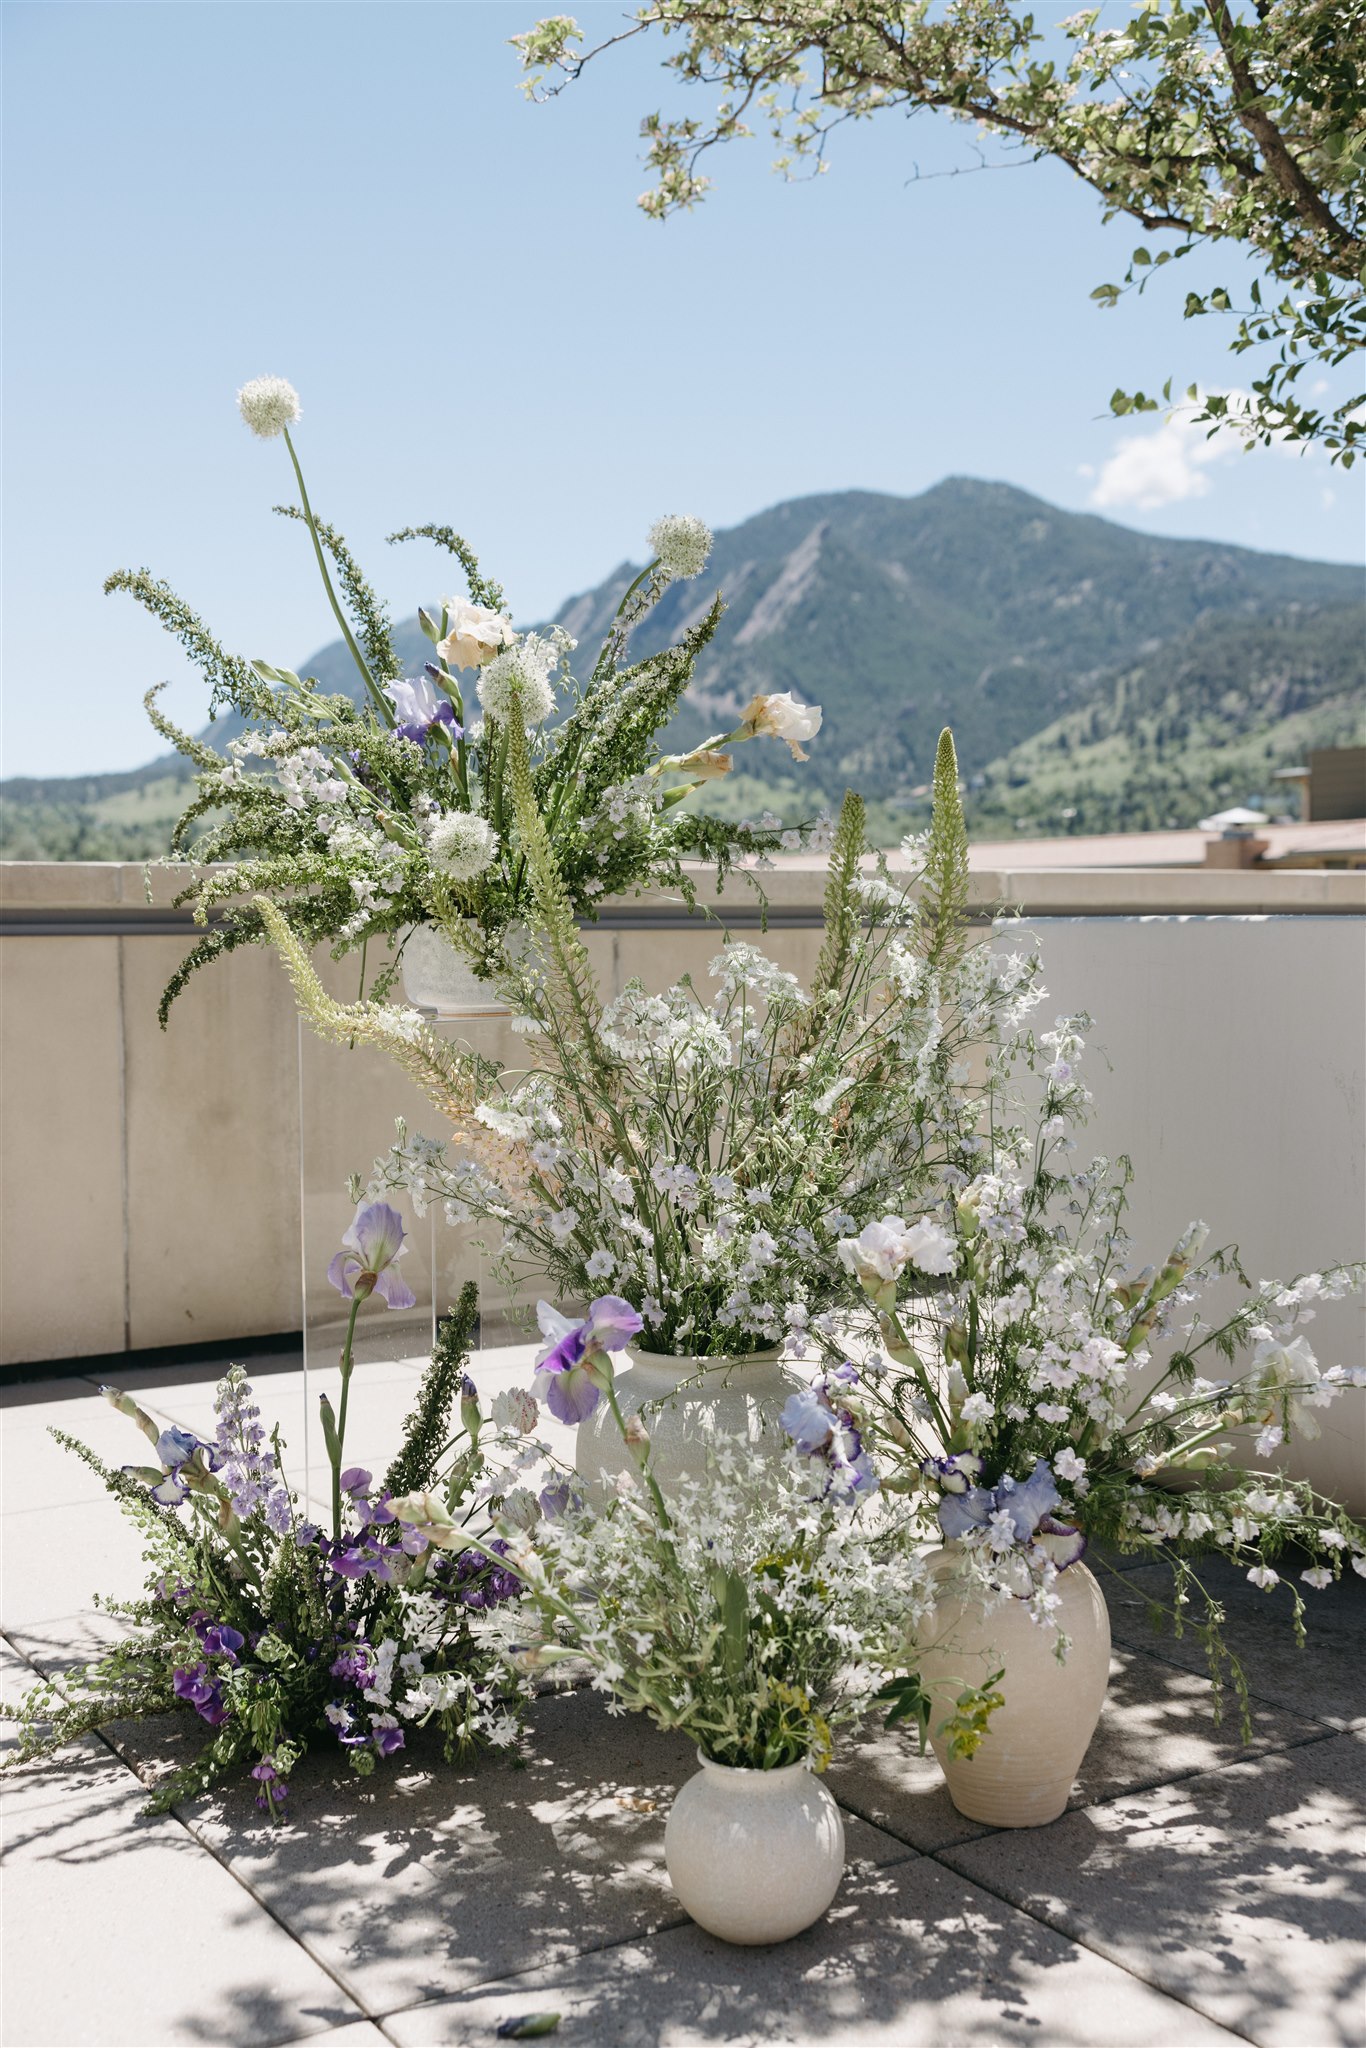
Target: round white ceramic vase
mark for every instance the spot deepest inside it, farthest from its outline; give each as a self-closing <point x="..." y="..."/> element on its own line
<point x="438" y="976"/>
<point x="1023" y="1771"/>
<point x="755" y="1856"/>
<point x="688" y="1407"/>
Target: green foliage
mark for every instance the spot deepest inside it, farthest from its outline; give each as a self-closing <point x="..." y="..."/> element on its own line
<point x="482" y="589"/>
<point x="427" y="1429"/>
<point x="367" y="610"/>
<point x="230" y="678"/>
<point x="1189" y="120"/>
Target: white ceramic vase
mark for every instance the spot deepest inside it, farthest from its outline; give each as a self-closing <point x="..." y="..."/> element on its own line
<point x="1022" y="1773"/>
<point x="438" y="976"/>
<point x="688" y="1406"/>
<point x="754" y="1856"/>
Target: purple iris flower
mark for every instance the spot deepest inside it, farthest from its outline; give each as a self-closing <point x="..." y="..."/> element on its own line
<point x="563" y="1380"/>
<point x="1028" y="1503"/>
<point x="419" y="707"/>
<point x="819" y="1429"/>
<point x="366" y="1264"/>
<point x="956" y="1473"/>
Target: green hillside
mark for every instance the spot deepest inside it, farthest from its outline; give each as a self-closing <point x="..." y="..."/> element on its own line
<point x="1084" y="668"/>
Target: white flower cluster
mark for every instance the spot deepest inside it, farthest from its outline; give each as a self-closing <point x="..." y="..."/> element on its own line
<point x="681" y="543"/>
<point x="269" y="405"/>
<point x="462" y="844"/>
<point x="521" y="676"/>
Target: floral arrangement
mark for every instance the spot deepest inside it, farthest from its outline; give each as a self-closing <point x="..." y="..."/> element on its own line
<point x="704" y="1156"/>
<point x="366" y="819"/>
<point x="277" y="1632"/>
<point x="1042" y="1400"/>
<point x="759" y="1609"/>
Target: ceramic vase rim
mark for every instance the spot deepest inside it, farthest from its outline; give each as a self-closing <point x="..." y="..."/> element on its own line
<point x="753" y="1771"/>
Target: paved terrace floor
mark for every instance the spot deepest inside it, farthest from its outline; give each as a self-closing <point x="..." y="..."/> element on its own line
<point x="1194" y="1893"/>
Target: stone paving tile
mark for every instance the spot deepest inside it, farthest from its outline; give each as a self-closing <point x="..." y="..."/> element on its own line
<point x="908" y="1957"/>
<point x="424" y="1881"/>
<point x="1242" y="1891"/>
<point x="360" y="2034"/>
<point x="1321" y="1682"/>
<point x="38" y="1472"/>
<point x="124" y="1933"/>
<point x="1157" y="1725"/>
<point x="53" y="1563"/>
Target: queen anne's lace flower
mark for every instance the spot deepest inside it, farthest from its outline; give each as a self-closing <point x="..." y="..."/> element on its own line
<point x="269" y="405"/>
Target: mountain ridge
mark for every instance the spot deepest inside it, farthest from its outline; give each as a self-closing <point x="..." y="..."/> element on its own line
<point x="973" y="603"/>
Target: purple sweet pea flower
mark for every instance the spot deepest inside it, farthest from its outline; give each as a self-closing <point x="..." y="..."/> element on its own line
<point x="203" y="1692"/>
<point x="366" y="1264"/>
<point x="563" y="1381"/>
<point x="222" y="1641"/>
<point x="419" y="707"/>
<point x="388" y="1736"/>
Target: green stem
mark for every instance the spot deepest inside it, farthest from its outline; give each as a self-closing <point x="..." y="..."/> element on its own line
<point x="347" y="1363"/>
<point x="661" y="1512"/>
<point x="385" y="709"/>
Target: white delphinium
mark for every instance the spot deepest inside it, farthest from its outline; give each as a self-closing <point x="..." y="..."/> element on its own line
<point x="269" y="405"/>
<point x="462" y="845"/>
<point x="681" y="543"/>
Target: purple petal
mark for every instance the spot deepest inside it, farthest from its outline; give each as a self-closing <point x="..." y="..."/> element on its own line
<point x="1060" y="1542"/>
<point x="611" y="1323"/>
<point x="355" y="1479"/>
<point x="1027" y="1504"/>
<point x="959" y="1512"/>
<point x="570" y="1395"/>
<point x="341" y="1270"/>
<point x="377" y="1234"/>
<point x="394" y="1289"/>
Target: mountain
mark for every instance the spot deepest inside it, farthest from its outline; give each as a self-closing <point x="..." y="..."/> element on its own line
<point x="1035" y="633"/>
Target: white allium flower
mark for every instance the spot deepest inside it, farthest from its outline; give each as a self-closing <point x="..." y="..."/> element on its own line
<point x="269" y="405"/>
<point x="512" y="671"/>
<point x="462" y="845"/>
<point x="682" y="543"/>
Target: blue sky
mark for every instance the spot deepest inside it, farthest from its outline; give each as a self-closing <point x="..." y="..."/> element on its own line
<point x="485" y="331"/>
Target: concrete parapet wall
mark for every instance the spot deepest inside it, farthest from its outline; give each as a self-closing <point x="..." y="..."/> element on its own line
<point x="151" y="1181"/>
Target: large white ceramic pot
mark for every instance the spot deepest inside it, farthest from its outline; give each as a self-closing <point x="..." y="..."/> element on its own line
<point x="754" y="1856"/>
<point x="1022" y="1773"/>
<point x="438" y="976"/>
<point x="688" y="1406"/>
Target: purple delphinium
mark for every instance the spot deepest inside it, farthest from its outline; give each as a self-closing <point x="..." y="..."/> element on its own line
<point x="822" y="1427"/>
<point x="353" y="1666"/>
<point x="366" y="1263"/>
<point x="564" y="1379"/>
<point x="244" y="1460"/>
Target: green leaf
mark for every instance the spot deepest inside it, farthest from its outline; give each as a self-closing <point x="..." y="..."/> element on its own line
<point x="528" y="2026"/>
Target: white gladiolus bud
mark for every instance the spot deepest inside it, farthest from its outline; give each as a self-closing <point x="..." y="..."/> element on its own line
<point x="779" y="713"/>
<point x="462" y="845"/>
<point x="681" y="543"/>
<point x="269" y="405"/>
